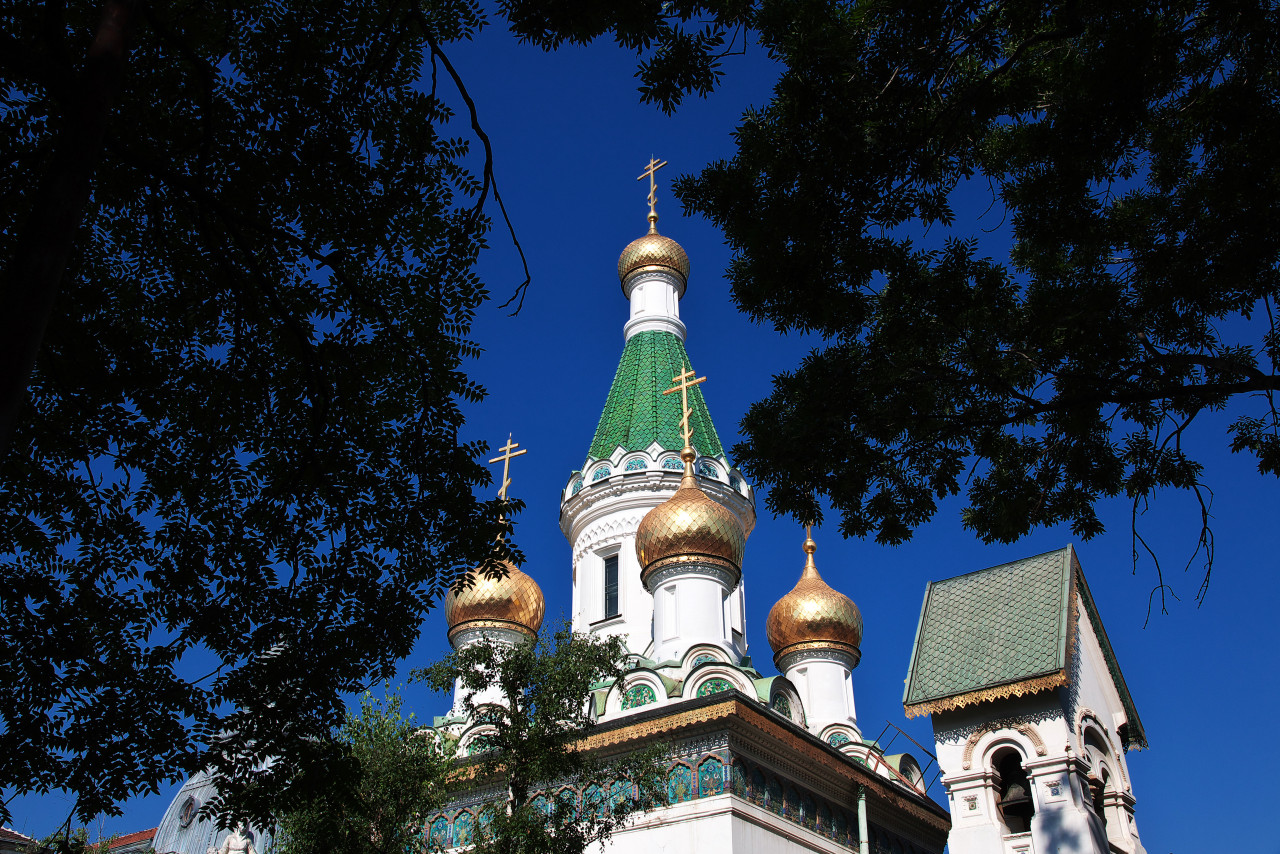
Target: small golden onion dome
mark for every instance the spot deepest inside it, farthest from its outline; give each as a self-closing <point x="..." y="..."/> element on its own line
<point x="690" y="526"/>
<point x="479" y="601"/>
<point x="654" y="252"/>
<point x="813" y="616"/>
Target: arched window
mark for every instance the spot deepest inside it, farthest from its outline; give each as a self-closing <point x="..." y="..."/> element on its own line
<point x="714" y="686"/>
<point x="638" y="695"/>
<point x="1013" y="791"/>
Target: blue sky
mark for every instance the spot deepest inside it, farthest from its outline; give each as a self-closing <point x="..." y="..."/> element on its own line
<point x="570" y="138"/>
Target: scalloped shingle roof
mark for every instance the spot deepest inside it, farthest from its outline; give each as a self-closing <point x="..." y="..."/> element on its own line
<point x="1004" y="632"/>
<point x="637" y="413"/>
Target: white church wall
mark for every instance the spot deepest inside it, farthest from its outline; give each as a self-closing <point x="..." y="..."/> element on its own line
<point x="722" y="823"/>
<point x="1096" y="708"/>
<point x="602" y="518"/>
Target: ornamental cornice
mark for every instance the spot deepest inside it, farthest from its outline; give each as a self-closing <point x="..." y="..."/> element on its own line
<point x="690" y="566"/>
<point x="692" y="748"/>
<point x="643" y="491"/>
<point x="777" y="744"/>
<point x="821" y="651"/>
<point x="656" y="323"/>
<point x="605" y="533"/>
<point x="842" y="776"/>
<point x="502" y="631"/>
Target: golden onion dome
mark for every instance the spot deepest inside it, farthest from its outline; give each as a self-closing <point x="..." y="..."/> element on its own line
<point x="814" y="616"/>
<point x="654" y="252"/>
<point x="480" y="601"/>
<point x="689" y="526"/>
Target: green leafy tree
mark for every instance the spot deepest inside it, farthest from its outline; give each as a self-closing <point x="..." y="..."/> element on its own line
<point x="397" y="774"/>
<point x="1125" y="151"/>
<point x="236" y="256"/>
<point x="66" y="840"/>
<point x="532" y="742"/>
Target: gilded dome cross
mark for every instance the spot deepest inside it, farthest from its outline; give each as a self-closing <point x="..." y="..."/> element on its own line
<point x="650" y="171"/>
<point x="509" y="452"/>
<point x="682" y="384"/>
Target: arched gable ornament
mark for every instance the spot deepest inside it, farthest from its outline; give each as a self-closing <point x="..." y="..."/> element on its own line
<point x="992" y="726"/>
<point x="1087" y="714"/>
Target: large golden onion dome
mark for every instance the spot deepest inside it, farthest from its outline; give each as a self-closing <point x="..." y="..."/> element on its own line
<point x="689" y="526"/>
<point x="654" y="252"/>
<point x="479" y="601"/>
<point x="813" y="616"/>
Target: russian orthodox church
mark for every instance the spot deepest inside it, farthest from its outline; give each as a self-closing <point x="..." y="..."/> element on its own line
<point x="657" y="520"/>
<point x="1029" y="709"/>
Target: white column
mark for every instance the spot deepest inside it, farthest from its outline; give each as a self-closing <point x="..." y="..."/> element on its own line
<point x="824" y="678"/>
<point x="689" y="608"/>
<point x="490" y="694"/>
<point x="975" y="820"/>
<point x="655" y="303"/>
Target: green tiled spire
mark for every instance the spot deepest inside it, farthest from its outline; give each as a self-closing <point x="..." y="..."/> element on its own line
<point x="638" y="414"/>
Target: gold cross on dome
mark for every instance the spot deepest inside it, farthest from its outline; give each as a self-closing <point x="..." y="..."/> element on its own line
<point x="509" y="452"/>
<point x="650" y="171"/>
<point x="683" y="383"/>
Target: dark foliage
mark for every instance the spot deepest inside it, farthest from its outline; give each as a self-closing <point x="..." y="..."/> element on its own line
<point x="234" y="485"/>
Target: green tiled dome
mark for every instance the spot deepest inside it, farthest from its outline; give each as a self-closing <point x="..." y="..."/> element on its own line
<point x="637" y="413"/>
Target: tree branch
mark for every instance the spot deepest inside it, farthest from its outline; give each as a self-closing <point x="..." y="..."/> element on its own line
<point x="489" y="179"/>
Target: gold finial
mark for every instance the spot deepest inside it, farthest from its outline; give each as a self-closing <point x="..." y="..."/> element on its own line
<point x="650" y="171"/>
<point x="508" y="453"/>
<point x="809" y="548"/>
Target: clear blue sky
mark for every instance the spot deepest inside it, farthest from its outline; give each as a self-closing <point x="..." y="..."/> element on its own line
<point x="570" y="138"/>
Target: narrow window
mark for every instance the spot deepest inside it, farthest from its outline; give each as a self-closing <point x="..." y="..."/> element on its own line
<point x="611" y="586"/>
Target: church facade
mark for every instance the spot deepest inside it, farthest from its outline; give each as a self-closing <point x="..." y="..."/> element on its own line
<point x="1031" y="716"/>
<point x="658" y="520"/>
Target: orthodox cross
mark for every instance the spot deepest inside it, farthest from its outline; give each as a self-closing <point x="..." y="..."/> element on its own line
<point x="508" y="453"/>
<point x="683" y="383"/>
<point x="650" y="171"/>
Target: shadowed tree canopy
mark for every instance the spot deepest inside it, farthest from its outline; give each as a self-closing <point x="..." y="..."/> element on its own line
<point x="236" y="247"/>
<point x="1126" y="154"/>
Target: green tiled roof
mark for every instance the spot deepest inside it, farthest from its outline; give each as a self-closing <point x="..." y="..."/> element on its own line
<point x="989" y="628"/>
<point x="1003" y="631"/>
<point x="637" y="413"/>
